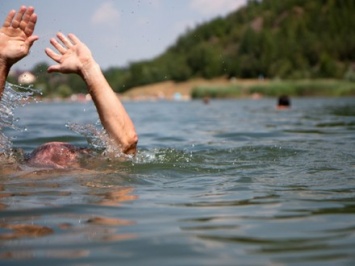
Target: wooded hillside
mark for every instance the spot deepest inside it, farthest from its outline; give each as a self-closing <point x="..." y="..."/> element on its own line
<point x="288" y="39"/>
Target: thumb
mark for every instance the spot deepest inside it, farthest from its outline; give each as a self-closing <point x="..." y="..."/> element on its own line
<point x="30" y="40"/>
<point x="54" y="68"/>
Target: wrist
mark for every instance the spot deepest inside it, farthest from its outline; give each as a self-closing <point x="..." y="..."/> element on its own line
<point x="4" y="61"/>
<point x="4" y="67"/>
<point x="89" y="69"/>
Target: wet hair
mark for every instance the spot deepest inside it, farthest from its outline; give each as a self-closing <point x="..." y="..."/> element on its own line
<point x="283" y="100"/>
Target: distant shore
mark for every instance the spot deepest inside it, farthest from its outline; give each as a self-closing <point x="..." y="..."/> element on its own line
<point x="222" y="88"/>
<point x="170" y="90"/>
<point x="240" y="88"/>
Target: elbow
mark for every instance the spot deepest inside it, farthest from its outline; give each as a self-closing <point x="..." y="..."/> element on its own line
<point x="130" y="146"/>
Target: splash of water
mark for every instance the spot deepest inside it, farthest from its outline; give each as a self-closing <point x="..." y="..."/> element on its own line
<point x="97" y="139"/>
<point x="94" y="136"/>
<point x="12" y="97"/>
<point x="163" y="156"/>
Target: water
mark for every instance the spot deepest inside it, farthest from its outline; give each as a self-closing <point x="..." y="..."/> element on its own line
<point x="234" y="182"/>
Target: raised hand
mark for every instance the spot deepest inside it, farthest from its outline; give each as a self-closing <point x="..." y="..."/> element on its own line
<point x="16" y="35"/>
<point x="72" y="55"/>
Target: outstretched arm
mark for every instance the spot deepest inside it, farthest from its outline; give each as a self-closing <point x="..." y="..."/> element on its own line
<point x="75" y="57"/>
<point x="16" y="39"/>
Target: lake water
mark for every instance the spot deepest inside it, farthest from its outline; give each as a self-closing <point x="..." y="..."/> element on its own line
<point x="233" y="182"/>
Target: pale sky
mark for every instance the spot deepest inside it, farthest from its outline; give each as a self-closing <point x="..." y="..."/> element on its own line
<point x="117" y="31"/>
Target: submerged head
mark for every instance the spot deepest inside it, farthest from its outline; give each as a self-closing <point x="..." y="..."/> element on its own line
<point x="58" y="155"/>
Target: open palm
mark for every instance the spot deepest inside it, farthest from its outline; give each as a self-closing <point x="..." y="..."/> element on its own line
<point x="16" y="36"/>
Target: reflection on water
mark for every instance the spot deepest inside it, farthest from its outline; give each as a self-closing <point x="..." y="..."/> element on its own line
<point x="24" y="230"/>
<point x="33" y="213"/>
<point x="228" y="183"/>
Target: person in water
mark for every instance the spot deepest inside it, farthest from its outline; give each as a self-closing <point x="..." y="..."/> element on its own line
<point x="283" y="102"/>
<point x="71" y="56"/>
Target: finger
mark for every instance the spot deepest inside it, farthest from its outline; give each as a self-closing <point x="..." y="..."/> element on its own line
<point x="26" y="18"/>
<point x="58" y="46"/>
<point x="9" y="18"/>
<point x="56" y="57"/>
<point x="18" y="17"/>
<point x="64" y="40"/>
<point x="30" y="27"/>
<point x="73" y="38"/>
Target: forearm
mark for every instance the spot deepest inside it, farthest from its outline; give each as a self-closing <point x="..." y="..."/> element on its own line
<point x="75" y="57"/>
<point x="112" y="113"/>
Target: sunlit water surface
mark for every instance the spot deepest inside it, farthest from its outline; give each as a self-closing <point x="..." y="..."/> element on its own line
<point x="233" y="182"/>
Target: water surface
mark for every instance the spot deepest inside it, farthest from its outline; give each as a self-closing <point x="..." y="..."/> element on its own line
<point x="234" y="182"/>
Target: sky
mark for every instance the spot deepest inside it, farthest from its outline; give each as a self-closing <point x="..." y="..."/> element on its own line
<point x="118" y="32"/>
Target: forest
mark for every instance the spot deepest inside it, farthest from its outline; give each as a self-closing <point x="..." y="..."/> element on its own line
<point x="283" y="40"/>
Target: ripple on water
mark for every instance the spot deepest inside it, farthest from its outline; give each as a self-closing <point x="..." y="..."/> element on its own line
<point x="277" y="197"/>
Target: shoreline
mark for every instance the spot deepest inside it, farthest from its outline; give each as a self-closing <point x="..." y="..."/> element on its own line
<point x="223" y="88"/>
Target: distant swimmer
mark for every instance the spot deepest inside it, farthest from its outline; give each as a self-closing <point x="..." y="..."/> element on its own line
<point x="71" y="56"/>
<point x="283" y="102"/>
